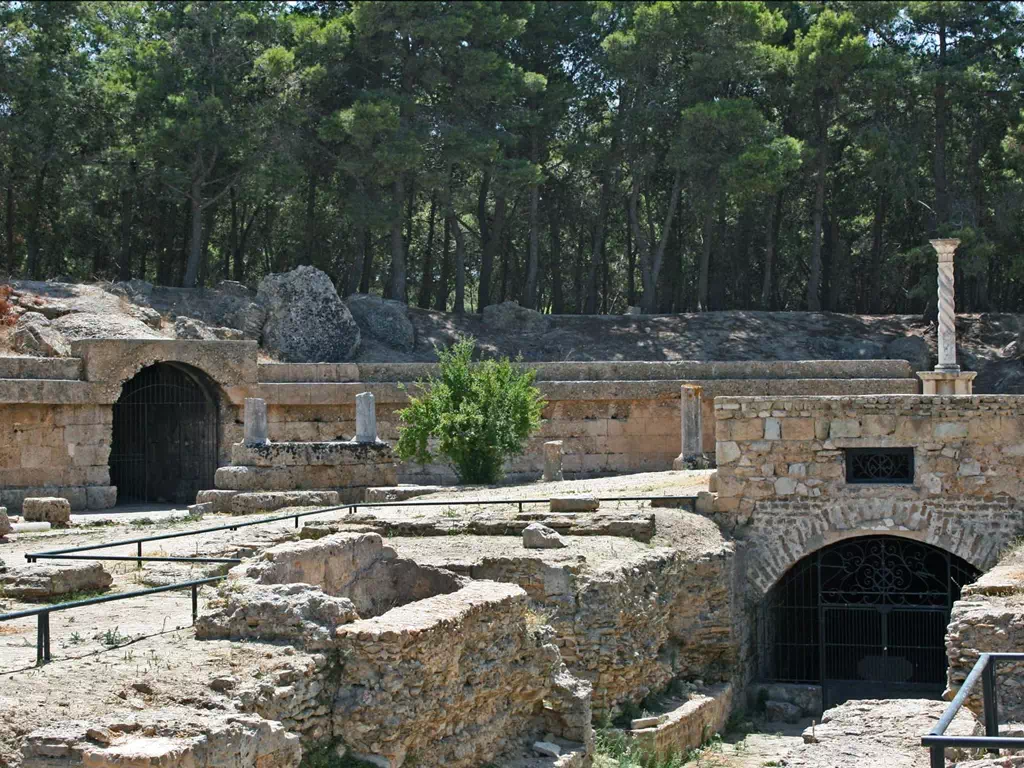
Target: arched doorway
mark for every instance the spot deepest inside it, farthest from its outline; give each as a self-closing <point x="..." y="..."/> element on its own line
<point x="864" y="618"/>
<point x="164" y="446"/>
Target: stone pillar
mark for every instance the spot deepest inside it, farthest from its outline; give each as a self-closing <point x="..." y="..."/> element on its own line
<point x="552" y="461"/>
<point x="690" y="426"/>
<point x="366" y="418"/>
<point x="947" y="306"/>
<point x="946" y="379"/>
<point x="255" y="421"/>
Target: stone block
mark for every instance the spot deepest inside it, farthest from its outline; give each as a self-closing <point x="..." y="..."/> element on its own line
<point x="844" y="428"/>
<point x="5" y="522"/>
<point x="47" y="509"/>
<point x="539" y="536"/>
<point x="43" y="581"/>
<point x="366" y="418"/>
<point x="798" y="429"/>
<point x="746" y="429"/>
<point x="772" y="429"/>
<point x="254" y="503"/>
<point x="582" y="503"/>
<point x="552" y="461"/>
<point x="221" y="500"/>
<point x="726" y="452"/>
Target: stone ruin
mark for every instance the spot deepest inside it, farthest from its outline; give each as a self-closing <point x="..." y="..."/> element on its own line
<point x="411" y="659"/>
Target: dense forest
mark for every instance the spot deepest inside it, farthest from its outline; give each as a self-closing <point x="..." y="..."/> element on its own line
<point x="577" y="157"/>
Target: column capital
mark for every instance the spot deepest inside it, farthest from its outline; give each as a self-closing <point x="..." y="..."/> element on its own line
<point x="945" y="247"/>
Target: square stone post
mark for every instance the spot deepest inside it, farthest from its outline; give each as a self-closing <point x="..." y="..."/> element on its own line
<point x="690" y="426"/>
<point x="366" y="418"/>
<point x="946" y="379"/>
<point x="552" y="461"/>
<point x="255" y="417"/>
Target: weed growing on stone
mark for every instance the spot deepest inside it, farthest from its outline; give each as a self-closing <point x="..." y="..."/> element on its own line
<point x="113" y="637"/>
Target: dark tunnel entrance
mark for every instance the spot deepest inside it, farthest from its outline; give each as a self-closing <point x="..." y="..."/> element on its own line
<point x="864" y="618"/>
<point x="165" y="435"/>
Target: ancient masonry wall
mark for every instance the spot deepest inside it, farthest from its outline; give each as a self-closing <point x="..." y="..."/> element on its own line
<point x="612" y="416"/>
<point x="989" y="618"/>
<point x="781" y="478"/>
<point x="631" y="627"/>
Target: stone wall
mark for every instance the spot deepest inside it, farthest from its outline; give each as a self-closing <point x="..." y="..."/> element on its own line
<point x="781" y="478"/>
<point x="632" y="625"/>
<point x="989" y="618"/>
<point x="407" y="662"/>
<point x="55" y="451"/>
<point x="613" y="416"/>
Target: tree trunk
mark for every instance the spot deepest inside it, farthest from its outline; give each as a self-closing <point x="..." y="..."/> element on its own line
<point x="441" y="298"/>
<point x="814" y="272"/>
<point x="233" y="236"/>
<point x="770" y="234"/>
<point x="397" y="244"/>
<point x="367" y="272"/>
<point x="426" y="283"/>
<point x="310" y="244"/>
<point x="941" y="191"/>
<point x="127" y="208"/>
<point x="557" y="289"/>
<point x="490" y="248"/>
<point x="875" y="269"/>
<point x="597" y="247"/>
<point x="704" y="268"/>
<point x="195" y="251"/>
<point x="630" y="262"/>
<point x="460" y="267"/>
<point x="533" y="260"/>
<point x="204" y="261"/>
<point x="9" y="227"/>
<point x="34" y="266"/>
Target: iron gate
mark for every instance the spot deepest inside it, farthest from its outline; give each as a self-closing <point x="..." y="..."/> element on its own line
<point x="865" y="618"/>
<point x="164" y="446"/>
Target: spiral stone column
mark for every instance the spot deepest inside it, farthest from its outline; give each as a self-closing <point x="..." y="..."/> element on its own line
<point x="947" y="378"/>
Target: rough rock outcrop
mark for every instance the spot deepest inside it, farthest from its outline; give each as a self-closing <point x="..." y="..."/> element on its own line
<point x="191" y="328"/>
<point x="913" y="349"/>
<point x="165" y="740"/>
<point x="35" y="335"/>
<point x="510" y="317"/>
<point x="385" y="320"/>
<point x="91" y="325"/>
<point x="306" y="320"/>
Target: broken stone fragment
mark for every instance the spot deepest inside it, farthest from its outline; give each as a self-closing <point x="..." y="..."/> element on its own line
<point x="39" y="581"/>
<point x="221" y="684"/>
<point x="539" y="536"/>
<point x="646" y="722"/>
<point x="5" y="523"/>
<point x="547" y="749"/>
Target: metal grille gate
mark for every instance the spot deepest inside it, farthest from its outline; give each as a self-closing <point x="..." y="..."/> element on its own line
<point x="865" y="618"/>
<point x="164" y="446"/>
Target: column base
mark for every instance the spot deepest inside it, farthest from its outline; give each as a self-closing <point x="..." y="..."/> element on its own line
<point x="947" y="383"/>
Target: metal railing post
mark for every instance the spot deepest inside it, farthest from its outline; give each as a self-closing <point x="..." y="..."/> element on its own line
<point x="39" y="639"/>
<point x="938" y="757"/>
<point x="140" y="556"/>
<point x="195" y="602"/>
<point x="988" y="692"/>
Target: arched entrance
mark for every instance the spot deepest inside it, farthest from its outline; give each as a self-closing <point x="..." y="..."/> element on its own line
<point x="164" y="446"/>
<point x="864" y="618"/>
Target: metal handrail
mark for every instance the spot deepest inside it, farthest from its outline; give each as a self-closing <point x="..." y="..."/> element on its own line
<point x="937" y="741"/>
<point x="43" y="614"/>
<point x="72" y="553"/>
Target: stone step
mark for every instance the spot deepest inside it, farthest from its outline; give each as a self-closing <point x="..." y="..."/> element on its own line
<point x="310" y="478"/>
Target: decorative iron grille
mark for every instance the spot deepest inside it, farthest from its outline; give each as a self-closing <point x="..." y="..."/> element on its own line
<point x="879" y="465"/>
<point x="865" y="618"/>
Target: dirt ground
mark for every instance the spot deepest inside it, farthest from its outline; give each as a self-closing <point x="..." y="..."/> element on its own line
<point x="125" y="657"/>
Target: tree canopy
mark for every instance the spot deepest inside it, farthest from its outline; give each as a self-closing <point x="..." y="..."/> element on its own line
<point x="577" y="157"/>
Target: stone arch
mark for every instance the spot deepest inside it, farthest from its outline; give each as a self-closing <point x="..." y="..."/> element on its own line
<point x="165" y="435"/>
<point x="863" y="616"/>
<point x="783" y="533"/>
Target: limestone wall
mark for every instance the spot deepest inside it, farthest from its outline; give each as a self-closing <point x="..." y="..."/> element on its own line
<point x="782" y="487"/>
<point x="989" y="618"/>
<point x="58" y="450"/>
<point x="612" y="416"/>
<point x="631" y="626"/>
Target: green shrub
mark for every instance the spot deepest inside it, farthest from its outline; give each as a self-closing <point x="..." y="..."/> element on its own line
<point x="480" y="414"/>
